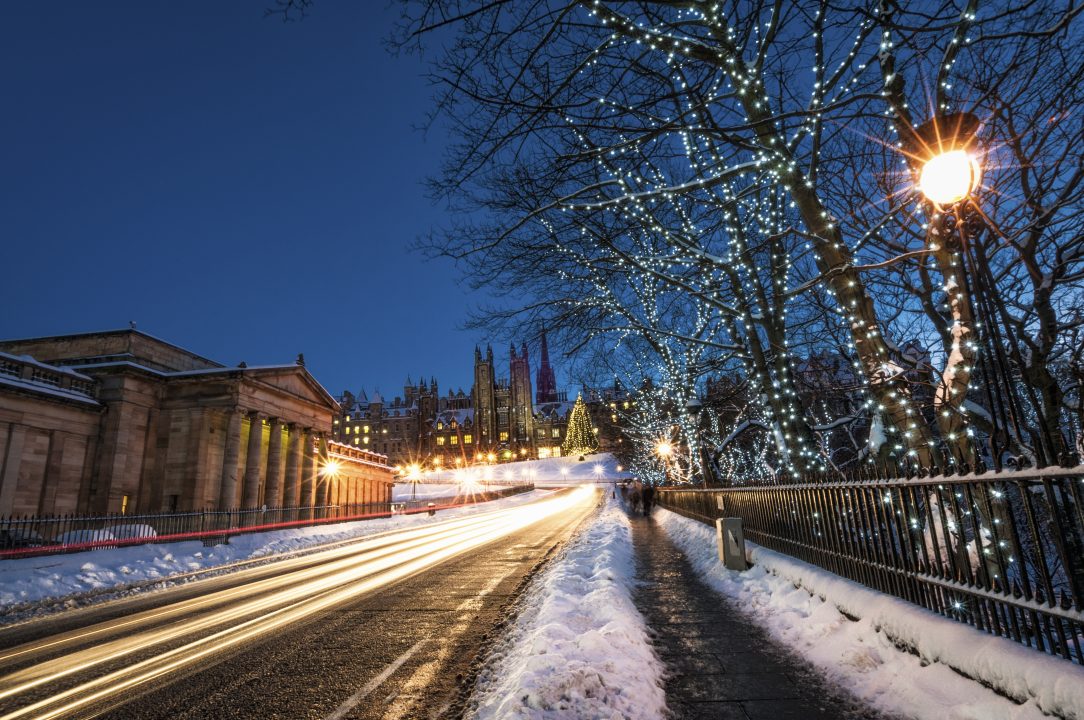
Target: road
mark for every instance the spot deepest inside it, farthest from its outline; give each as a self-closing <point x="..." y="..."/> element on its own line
<point x="385" y="627"/>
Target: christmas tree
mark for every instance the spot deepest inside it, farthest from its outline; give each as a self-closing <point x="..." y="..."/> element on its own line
<point x="579" y="438"/>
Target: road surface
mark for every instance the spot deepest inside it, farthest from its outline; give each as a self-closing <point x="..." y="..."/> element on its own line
<point x="385" y="627"/>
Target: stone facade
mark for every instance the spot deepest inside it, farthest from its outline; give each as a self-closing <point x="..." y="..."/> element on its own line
<point x="124" y="422"/>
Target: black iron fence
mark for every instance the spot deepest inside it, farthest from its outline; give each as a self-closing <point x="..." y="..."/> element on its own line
<point x="1003" y="552"/>
<point x="44" y="535"/>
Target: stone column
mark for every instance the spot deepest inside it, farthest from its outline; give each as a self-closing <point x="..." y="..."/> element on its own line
<point x="273" y="493"/>
<point x="307" y="468"/>
<point x="9" y="473"/>
<point x="227" y="491"/>
<point x="322" y="481"/>
<point x="293" y="466"/>
<point x="251" y="498"/>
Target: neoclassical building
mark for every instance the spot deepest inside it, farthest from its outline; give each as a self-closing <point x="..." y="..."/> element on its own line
<point x="121" y="421"/>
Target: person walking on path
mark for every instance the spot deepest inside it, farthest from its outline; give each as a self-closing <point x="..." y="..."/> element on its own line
<point x="649" y="498"/>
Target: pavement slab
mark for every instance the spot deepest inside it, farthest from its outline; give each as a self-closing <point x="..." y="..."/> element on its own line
<point x="718" y="664"/>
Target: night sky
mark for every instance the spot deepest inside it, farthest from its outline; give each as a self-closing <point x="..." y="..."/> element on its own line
<point x="245" y="188"/>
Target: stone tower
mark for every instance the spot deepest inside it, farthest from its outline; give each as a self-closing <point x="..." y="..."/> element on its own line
<point x="485" y="408"/>
<point x="522" y="410"/>
<point x="547" y="383"/>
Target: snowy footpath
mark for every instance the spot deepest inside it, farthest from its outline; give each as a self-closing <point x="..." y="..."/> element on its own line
<point x="803" y="607"/>
<point x="578" y="647"/>
<point x="28" y="582"/>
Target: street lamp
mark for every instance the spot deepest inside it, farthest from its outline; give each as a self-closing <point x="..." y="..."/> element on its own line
<point x="948" y="177"/>
<point x="694" y="408"/>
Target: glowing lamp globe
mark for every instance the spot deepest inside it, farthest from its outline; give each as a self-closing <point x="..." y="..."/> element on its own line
<point x="664" y="449"/>
<point x="949" y="177"/>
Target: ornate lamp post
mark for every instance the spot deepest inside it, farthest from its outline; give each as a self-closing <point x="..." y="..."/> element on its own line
<point x="949" y="177"/>
<point x="694" y="408"/>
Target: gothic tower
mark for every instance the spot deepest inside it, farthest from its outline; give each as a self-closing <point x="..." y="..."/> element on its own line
<point x="485" y="408"/>
<point x="522" y="411"/>
<point x="547" y="383"/>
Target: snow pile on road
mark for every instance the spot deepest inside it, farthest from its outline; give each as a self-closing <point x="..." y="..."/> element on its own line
<point x="32" y="580"/>
<point x="803" y="607"/>
<point x="597" y="467"/>
<point x="579" y="648"/>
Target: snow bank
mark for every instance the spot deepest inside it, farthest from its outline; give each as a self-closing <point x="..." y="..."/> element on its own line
<point x="424" y="491"/>
<point x="597" y="467"/>
<point x="579" y="648"/>
<point x="804" y="606"/>
<point x="31" y="580"/>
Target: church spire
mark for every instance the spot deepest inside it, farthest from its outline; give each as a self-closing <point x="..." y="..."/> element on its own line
<point x="545" y="381"/>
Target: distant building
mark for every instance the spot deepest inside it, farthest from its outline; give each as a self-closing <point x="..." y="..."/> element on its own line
<point x="121" y="421"/>
<point x="501" y="419"/>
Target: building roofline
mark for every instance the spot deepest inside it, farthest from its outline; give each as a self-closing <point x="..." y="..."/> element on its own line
<point x="118" y="331"/>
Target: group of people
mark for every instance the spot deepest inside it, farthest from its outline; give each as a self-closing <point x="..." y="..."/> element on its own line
<point x="638" y="497"/>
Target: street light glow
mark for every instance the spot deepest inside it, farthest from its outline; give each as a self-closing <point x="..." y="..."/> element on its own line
<point x="664" y="448"/>
<point x="949" y="177"/>
<point x="331" y="468"/>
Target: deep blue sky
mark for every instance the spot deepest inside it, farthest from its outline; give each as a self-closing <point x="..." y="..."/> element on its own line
<point x="242" y="187"/>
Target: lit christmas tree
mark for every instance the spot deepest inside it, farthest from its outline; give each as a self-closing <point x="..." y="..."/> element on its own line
<point x="580" y="437"/>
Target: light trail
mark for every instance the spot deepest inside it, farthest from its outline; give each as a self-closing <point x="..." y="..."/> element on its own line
<point x="227" y="619"/>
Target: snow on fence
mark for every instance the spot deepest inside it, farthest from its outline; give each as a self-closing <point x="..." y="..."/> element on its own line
<point x="1003" y="552"/>
<point x="44" y="535"/>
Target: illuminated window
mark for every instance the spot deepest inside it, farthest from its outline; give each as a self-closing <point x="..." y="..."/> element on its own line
<point x="557" y="432"/>
<point x="356" y="429"/>
<point x="440" y="425"/>
<point x="356" y="440"/>
<point x="556" y="451"/>
<point x="366" y="428"/>
<point x="543" y="453"/>
<point x="468" y="439"/>
<point x="384" y="430"/>
<point x="336" y="422"/>
<point x="626" y="404"/>
<point x="454" y="439"/>
<point x="504" y="435"/>
<point x="440" y="440"/>
<point x="347" y="428"/>
<point x="453" y="425"/>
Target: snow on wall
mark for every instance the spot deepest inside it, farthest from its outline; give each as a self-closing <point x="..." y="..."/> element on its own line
<point x="579" y="649"/>
<point x="803" y="606"/>
<point x="594" y="468"/>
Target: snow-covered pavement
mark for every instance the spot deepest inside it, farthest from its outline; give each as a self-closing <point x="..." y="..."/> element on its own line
<point x="26" y="581"/>
<point x="803" y="607"/>
<point x="578" y="648"/>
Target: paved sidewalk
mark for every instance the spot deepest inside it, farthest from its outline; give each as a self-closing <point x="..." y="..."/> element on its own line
<point x="719" y="666"/>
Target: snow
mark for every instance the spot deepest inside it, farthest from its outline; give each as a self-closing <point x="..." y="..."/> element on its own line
<point x="579" y="648"/>
<point x="425" y="491"/>
<point x="594" y="468"/>
<point x="807" y="609"/>
<point x="32" y="580"/>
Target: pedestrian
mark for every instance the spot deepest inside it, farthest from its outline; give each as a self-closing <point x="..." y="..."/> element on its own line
<point x="649" y="499"/>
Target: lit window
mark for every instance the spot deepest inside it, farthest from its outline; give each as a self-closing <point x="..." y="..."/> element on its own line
<point x="347" y="428"/>
<point x="626" y="404"/>
<point x="366" y="439"/>
<point x="356" y="429"/>
<point x="504" y="436"/>
<point x="454" y="439"/>
<point x="557" y="432"/>
<point x="468" y="439"/>
<point x="440" y="440"/>
<point x="440" y="426"/>
<point x="356" y="440"/>
<point x="366" y="428"/>
<point x="336" y="422"/>
<point x="556" y="451"/>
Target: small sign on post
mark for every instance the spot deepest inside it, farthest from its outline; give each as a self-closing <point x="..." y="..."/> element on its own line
<point x="731" y="543"/>
<point x="432" y="508"/>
